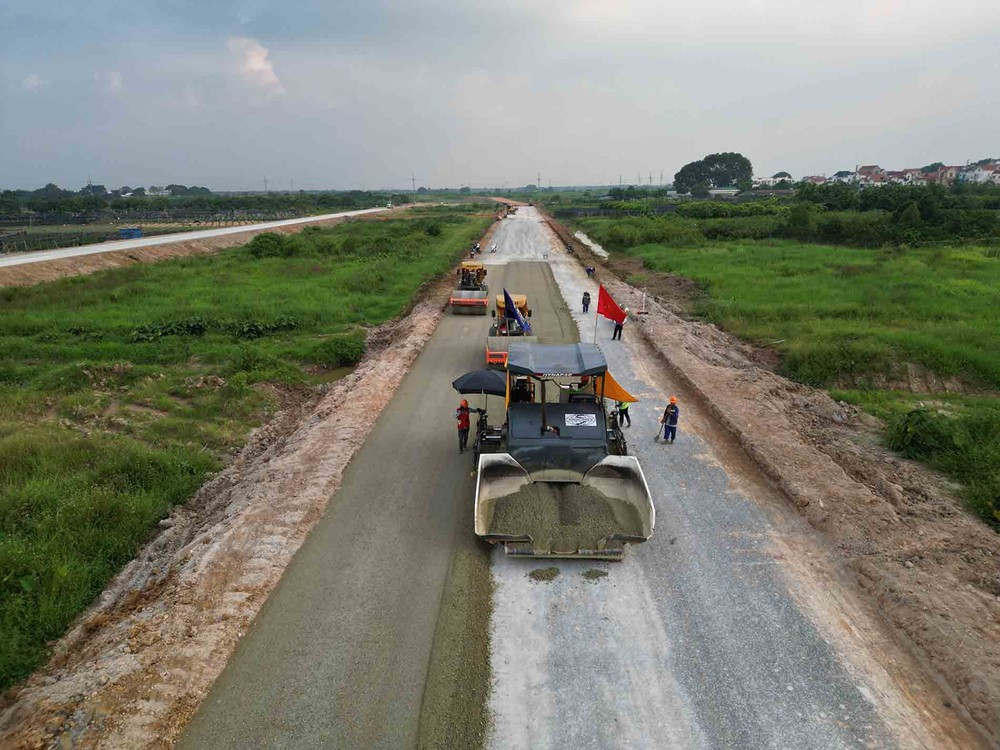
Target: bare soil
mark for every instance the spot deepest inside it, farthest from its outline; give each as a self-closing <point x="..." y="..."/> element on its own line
<point x="931" y="569"/>
<point x="136" y="665"/>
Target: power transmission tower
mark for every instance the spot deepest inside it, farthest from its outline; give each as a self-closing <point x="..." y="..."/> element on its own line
<point x="413" y="181"/>
<point x="538" y="180"/>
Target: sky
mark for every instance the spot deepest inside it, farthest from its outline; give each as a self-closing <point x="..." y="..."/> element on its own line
<point x="325" y="94"/>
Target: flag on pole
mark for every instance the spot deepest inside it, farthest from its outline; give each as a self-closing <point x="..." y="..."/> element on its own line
<point x="512" y="313"/>
<point x="607" y="307"/>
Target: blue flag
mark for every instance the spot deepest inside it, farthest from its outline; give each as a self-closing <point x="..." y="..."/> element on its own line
<point x="513" y="313"/>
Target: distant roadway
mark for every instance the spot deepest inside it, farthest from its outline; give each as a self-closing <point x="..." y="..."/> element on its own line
<point x="20" y="259"/>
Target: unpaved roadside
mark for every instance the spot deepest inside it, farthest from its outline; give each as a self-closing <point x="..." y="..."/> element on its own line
<point x="136" y="665"/>
<point x="932" y="570"/>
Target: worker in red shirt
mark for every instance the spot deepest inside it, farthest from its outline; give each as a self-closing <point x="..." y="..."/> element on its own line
<point x="462" y="415"/>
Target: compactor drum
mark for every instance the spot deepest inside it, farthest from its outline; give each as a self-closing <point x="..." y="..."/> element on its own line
<point x="472" y="296"/>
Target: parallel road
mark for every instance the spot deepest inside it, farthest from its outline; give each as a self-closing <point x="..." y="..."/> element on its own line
<point x="20" y="259"/>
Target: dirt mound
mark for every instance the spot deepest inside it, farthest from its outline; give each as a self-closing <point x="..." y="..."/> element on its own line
<point x="563" y="517"/>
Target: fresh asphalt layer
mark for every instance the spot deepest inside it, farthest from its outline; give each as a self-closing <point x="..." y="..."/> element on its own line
<point x="20" y="259"/>
<point x="339" y="654"/>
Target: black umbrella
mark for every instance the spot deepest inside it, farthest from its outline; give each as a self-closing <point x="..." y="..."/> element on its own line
<point x="486" y="382"/>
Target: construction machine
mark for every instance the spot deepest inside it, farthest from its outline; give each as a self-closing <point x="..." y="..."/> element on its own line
<point x="472" y="297"/>
<point x="504" y="327"/>
<point x="558" y="451"/>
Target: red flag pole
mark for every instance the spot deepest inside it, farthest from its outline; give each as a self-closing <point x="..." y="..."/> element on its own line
<point x="596" y="318"/>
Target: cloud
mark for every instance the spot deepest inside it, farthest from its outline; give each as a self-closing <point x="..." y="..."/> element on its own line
<point x="32" y="82"/>
<point x="254" y="65"/>
<point x="108" y="81"/>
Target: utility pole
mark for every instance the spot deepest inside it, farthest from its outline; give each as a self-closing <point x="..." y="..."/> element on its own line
<point x="413" y="181"/>
<point x="651" y="179"/>
<point x="265" y="184"/>
<point x="661" y="178"/>
<point x="538" y="181"/>
<point x="619" y="179"/>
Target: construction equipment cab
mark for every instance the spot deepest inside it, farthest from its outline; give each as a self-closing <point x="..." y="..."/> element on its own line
<point x="505" y="327"/>
<point x="472" y="295"/>
<point x="559" y="433"/>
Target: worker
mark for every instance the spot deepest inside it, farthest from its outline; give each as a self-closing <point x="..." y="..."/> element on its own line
<point x="619" y="325"/>
<point x="591" y="271"/>
<point x="586" y="301"/>
<point x="462" y="415"/>
<point x="623" y="418"/>
<point x="669" y="420"/>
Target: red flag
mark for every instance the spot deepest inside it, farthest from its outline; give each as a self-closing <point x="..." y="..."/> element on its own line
<point x="608" y="307"/>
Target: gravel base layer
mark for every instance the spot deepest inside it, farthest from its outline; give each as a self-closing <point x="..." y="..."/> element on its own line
<point x="563" y="517"/>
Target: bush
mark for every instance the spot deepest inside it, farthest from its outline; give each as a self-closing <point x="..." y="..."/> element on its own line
<point x="750" y="228"/>
<point x="267" y="245"/>
<point x="967" y="447"/>
<point x="340" y="350"/>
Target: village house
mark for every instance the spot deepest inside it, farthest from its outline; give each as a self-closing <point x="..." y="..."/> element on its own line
<point x="843" y="176"/>
<point x="815" y="179"/>
<point x="983" y="174"/>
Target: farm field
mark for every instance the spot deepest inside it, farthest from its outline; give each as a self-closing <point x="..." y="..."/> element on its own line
<point x="909" y="334"/>
<point x="121" y="391"/>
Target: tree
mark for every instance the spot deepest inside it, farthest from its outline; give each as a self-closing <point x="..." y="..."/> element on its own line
<point x="465" y="190"/>
<point x="139" y="192"/>
<point x="932" y="167"/>
<point x="783" y="185"/>
<point x="781" y="176"/>
<point x="700" y="190"/>
<point x="93" y="190"/>
<point x="421" y="190"/>
<point x="690" y="174"/>
<point x="176" y="189"/>
<point x="744" y="185"/>
<point x="724" y="169"/>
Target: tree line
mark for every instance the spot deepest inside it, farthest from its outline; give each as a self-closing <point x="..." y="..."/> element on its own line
<point x="96" y="200"/>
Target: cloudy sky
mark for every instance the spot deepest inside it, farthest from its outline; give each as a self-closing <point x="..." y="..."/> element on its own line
<point x="364" y="94"/>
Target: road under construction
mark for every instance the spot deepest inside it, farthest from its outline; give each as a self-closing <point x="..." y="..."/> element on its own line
<point x="394" y="626"/>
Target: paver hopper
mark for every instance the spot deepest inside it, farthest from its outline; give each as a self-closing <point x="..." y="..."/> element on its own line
<point x="472" y="297"/>
<point x="562" y="454"/>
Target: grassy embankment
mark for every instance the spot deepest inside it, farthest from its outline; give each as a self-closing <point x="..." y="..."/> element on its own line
<point x="121" y="391"/>
<point x="866" y="324"/>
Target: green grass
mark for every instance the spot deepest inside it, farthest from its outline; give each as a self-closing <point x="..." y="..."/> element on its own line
<point x="121" y="391"/>
<point x="858" y="320"/>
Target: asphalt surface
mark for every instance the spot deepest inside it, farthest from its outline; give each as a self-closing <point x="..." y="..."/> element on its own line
<point x="20" y="259"/>
<point x="698" y="639"/>
<point x="339" y="654"/>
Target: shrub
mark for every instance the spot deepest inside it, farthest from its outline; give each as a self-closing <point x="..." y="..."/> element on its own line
<point x="340" y="350"/>
<point x="267" y="245"/>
